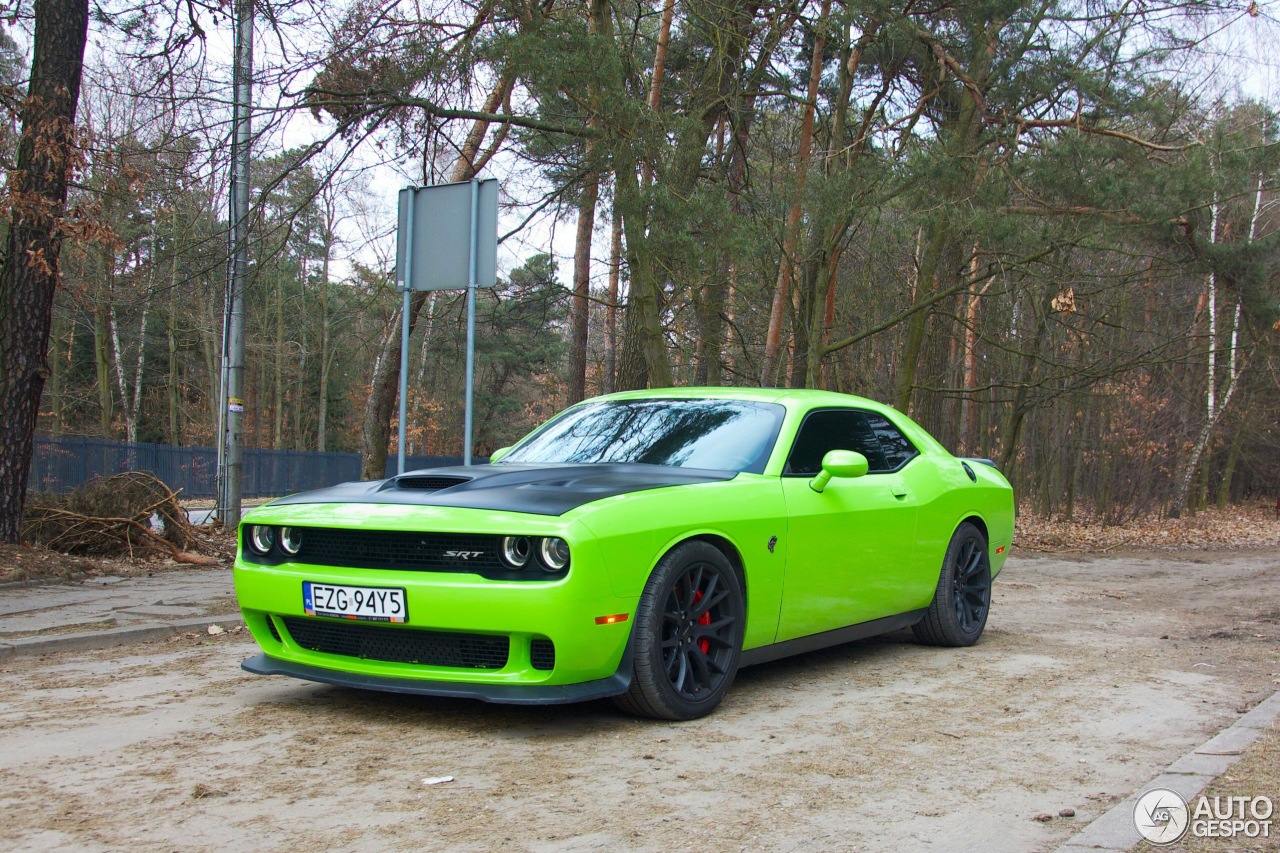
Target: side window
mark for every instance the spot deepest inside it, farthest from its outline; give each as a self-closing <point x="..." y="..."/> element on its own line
<point x="885" y="447"/>
<point x="897" y="449"/>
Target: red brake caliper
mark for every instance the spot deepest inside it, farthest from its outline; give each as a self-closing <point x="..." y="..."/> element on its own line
<point x="704" y="619"/>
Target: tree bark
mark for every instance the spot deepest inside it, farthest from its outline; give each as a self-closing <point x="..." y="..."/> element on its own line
<point x="581" y="311"/>
<point x="277" y="421"/>
<point x="322" y="416"/>
<point x="29" y="275"/>
<point x="171" y="328"/>
<point x="609" y="382"/>
<point x="969" y="372"/>
<point x="1229" y="467"/>
<point x="644" y="360"/>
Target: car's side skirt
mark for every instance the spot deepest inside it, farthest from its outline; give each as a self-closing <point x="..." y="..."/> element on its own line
<point x="813" y="642"/>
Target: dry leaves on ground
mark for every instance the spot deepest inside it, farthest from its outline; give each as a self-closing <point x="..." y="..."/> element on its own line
<point x="1246" y="526"/>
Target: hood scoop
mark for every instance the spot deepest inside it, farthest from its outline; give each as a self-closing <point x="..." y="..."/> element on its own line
<point x="426" y="483"/>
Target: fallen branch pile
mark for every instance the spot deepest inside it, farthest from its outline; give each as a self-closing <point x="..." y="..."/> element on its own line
<point x="132" y="515"/>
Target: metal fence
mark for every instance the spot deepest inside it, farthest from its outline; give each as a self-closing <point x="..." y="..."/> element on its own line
<point x="63" y="463"/>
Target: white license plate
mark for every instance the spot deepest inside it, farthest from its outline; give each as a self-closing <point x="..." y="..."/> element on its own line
<point x="374" y="604"/>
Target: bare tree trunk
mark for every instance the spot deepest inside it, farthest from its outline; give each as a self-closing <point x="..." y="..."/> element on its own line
<point x="659" y="73"/>
<point x="1018" y="414"/>
<point x="660" y="54"/>
<point x="582" y="288"/>
<point x="277" y="421"/>
<point x="131" y="402"/>
<point x="791" y="231"/>
<point x="611" y="310"/>
<point x="822" y="370"/>
<point x="171" y="329"/>
<point x="1214" y="408"/>
<point x="29" y="273"/>
<point x="805" y="302"/>
<point x="1229" y="467"/>
<point x="968" y="438"/>
<point x="322" y="414"/>
<point x="708" y="299"/>
<point x="424" y="348"/>
<point x="102" y="359"/>
<point x="643" y="361"/>
<point x="209" y="348"/>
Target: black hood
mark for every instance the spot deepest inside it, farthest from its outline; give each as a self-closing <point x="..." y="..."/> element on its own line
<point x="537" y="489"/>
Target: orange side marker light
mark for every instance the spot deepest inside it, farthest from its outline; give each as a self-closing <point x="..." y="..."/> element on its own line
<point x="611" y="620"/>
<point x="1000" y="550"/>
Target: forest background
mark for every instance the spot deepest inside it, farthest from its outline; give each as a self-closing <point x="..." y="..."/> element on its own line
<point x="1046" y="230"/>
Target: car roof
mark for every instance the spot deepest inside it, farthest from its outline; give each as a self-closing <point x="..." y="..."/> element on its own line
<point x="801" y="398"/>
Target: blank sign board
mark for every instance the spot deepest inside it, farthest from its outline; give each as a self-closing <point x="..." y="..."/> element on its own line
<point x="442" y="236"/>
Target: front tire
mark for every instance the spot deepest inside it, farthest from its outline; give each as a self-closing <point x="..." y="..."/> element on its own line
<point x="958" y="613"/>
<point x="687" y="637"/>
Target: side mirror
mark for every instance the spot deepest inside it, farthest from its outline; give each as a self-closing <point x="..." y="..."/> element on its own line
<point x="499" y="453"/>
<point x="839" y="463"/>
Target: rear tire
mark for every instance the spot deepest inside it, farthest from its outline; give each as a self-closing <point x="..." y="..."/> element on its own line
<point x="958" y="613"/>
<point x="687" y="637"/>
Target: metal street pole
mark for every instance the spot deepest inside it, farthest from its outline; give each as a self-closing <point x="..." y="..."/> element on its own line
<point x="234" y="352"/>
<point x="474" y="250"/>
<point x="407" y="284"/>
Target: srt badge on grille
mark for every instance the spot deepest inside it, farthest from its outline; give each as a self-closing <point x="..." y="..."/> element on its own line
<point x="463" y="555"/>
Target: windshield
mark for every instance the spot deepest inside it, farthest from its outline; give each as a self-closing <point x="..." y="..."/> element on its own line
<point x="723" y="435"/>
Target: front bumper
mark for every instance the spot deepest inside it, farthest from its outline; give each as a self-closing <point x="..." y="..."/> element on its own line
<point x="524" y="619"/>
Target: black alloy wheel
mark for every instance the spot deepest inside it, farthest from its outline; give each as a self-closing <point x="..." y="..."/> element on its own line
<point x="687" y="635"/>
<point x="971" y="586"/>
<point x="958" y="613"/>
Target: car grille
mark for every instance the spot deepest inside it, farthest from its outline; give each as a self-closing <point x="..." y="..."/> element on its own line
<point x="542" y="654"/>
<point x="400" y="645"/>
<point x="387" y="549"/>
<point x="271" y="626"/>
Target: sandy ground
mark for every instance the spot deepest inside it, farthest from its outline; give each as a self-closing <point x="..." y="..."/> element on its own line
<point x="1094" y="675"/>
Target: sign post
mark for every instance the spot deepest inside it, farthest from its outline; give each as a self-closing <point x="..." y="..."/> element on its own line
<point x="434" y="224"/>
<point x="404" y="346"/>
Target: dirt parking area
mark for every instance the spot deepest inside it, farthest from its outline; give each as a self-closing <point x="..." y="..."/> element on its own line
<point x="1093" y="676"/>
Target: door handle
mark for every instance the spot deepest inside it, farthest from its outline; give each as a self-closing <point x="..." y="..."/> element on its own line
<point x="899" y="490"/>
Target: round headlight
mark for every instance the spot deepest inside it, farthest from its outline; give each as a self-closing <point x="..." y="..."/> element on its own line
<point x="516" y="551"/>
<point x="554" y="553"/>
<point x="261" y="538"/>
<point x="290" y="540"/>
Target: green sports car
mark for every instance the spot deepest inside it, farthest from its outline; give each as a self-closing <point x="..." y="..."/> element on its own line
<point x="641" y="546"/>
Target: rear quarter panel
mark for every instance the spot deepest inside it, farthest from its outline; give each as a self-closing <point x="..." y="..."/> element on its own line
<point x="947" y="497"/>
